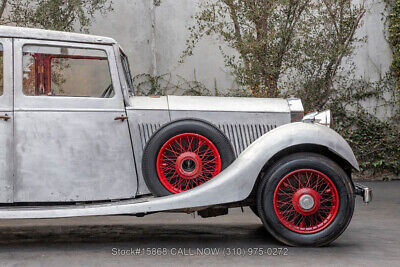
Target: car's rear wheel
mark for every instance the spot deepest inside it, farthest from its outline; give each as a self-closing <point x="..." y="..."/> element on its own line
<point x="183" y="155"/>
<point x="306" y="200"/>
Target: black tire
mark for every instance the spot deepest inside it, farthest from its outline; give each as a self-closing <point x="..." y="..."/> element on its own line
<point x="322" y="164"/>
<point x="195" y="126"/>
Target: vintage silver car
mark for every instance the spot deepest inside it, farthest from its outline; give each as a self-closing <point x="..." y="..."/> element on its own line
<point x="76" y="141"/>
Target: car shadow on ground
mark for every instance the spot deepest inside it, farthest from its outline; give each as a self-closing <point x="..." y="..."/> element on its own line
<point x="142" y="234"/>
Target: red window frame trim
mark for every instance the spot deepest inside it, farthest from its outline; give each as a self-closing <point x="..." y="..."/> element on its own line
<point x="42" y="63"/>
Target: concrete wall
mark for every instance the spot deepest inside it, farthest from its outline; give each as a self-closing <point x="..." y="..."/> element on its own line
<point x="131" y="25"/>
<point x="373" y="58"/>
<point x="154" y="37"/>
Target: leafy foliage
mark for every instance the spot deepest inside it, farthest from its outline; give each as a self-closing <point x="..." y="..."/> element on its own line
<point x="297" y="47"/>
<point x="376" y="142"/>
<point x="146" y="84"/>
<point x="394" y="38"/>
<point x="262" y="32"/>
<point x="274" y="38"/>
<point x="62" y="15"/>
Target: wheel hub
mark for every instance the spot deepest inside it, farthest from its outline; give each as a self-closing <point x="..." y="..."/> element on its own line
<point x="306" y="201"/>
<point x="188" y="165"/>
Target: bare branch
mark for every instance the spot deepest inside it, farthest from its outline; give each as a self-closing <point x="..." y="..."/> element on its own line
<point x="333" y="17"/>
<point x="336" y="64"/>
<point x="238" y="33"/>
<point x="3" y="7"/>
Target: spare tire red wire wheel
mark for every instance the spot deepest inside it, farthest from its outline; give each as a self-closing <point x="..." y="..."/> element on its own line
<point x="306" y="199"/>
<point x="183" y="155"/>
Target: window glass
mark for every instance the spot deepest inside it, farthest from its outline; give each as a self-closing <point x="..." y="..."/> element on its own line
<point x="63" y="71"/>
<point x="1" y="70"/>
<point x="127" y="71"/>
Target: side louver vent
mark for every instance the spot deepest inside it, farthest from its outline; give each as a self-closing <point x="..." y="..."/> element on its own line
<point x="242" y="135"/>
<point x="147" y="130"/>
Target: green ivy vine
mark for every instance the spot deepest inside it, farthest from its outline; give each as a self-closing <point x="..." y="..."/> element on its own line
<point x="394" y="37"/>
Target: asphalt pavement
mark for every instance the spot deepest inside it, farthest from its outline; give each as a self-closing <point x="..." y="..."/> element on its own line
<point x="168" y="239"/>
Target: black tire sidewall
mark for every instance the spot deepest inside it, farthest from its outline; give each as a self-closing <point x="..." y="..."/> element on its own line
<point x="150" y="153"/>
<point x="306" y="161"/>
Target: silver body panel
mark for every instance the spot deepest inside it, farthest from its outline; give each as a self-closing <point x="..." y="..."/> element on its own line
<point x="146" y="115"/>
<point x="242" y="120"/>
<point x="59" y="158"/>
<point x="236" y="182"/>
<point x="6" y="127"/>
<point x="241" y="128"/>
<point x="70" y="149"/>
<point x="39" y="34"/>
<point x="143" y="124"/>
<point x="234" y="104"/>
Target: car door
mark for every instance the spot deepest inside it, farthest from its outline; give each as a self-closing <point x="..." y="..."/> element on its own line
<point x="6" y="121"/>
<point x="72" y="140"/>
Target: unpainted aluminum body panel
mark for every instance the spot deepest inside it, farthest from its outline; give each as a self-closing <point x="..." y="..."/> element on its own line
<point x="146" y="116"/>
<point x="6" y="158"/>
<point x="235" y="104"/>
<point x="232" y="185"/>
<point x="72" y="156"/>
<point x="143" y="124"/>
<point x="295" y="105"/>
<point x="241" y="128"/>
<point x="6" y="127"/>
<point x="242" y="120"/>
<point x="39" y="34"/>
<point x="148" y="102"/>
<point x="71" y="148"/>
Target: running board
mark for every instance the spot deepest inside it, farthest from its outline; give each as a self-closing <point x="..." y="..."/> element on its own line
<point x="234" y="184"/>
<point x="184" y="202"/>
<point x="75" y="210"/>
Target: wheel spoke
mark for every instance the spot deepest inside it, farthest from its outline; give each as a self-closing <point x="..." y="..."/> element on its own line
<point x="323" y="192"/>
<point x="177" y="175"/>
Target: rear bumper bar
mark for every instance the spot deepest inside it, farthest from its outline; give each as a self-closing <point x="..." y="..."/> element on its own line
<point x="365" y="192"/>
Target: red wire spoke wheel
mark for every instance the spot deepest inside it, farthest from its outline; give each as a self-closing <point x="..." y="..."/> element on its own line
<point x="186" y="161"/>
<point x="306" y="201"/>
<point x="184" y="154"/>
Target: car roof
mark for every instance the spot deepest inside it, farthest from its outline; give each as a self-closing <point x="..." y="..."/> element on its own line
<point x="39" y="34"/>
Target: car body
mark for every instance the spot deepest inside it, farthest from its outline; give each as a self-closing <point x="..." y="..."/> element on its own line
<point x="69" y="150"/>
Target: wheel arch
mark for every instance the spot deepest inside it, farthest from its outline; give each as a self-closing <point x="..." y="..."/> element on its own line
<point x="312" y="148"/>
<point x="320" y="149"/>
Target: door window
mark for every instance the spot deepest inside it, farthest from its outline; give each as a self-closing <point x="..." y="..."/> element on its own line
<point x="127" y="72"/>
<point x="64" y="71"/>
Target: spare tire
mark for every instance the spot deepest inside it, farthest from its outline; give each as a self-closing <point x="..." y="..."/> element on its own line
<point x="183" y="155"/>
